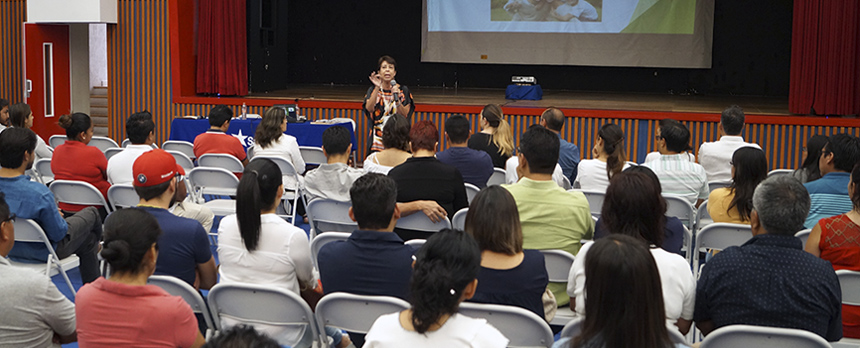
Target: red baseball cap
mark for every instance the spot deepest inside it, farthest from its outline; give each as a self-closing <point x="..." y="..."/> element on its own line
<point x="155" y="167"/>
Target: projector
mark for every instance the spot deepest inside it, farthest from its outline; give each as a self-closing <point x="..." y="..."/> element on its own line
<point x="523" y="80"/>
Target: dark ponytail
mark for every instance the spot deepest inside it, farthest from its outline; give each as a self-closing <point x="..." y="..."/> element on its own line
<point x="75" y="124"/>
<point x="128" y="235"/>
<point x="444" y="266"/>
<point x="613" y="146"/>
<point x="257" y="191"/>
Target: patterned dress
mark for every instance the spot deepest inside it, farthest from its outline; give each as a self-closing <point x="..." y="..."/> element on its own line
<point x="840" y="244"/>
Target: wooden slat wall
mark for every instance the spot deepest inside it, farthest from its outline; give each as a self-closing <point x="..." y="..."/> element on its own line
<point x="12" y="16"/>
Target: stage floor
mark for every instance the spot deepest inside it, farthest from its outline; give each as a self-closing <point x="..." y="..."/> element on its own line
<point x="557" y="98"/>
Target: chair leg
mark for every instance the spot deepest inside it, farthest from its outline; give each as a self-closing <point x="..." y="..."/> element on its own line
<point x="51" y="261"/>
<point x="295" y="204"/>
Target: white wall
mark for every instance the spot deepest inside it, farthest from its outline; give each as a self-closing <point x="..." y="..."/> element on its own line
<point x="98" y="55"/>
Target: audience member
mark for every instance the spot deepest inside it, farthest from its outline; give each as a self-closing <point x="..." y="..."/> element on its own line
<point x="509" y="275"/>
<point x="184" y="251"/>
<point x="495" y="137"/>
<point x="241" y="336"/>
<point x="678" y="176"/>
<point x="770" y="280"/>
<point x="74" y="160"/>
<point x="445" y="274"/>
<point x="568" y="154"/>
<point x="512" y="177"/>
<point x="384" y="99"/>
<point x="625" y="292"/>
<point x="123" y="311"/>
<point x="4" y="114"/>
<point x="634" y="207"/>
<point x="810" y="155"/>
<point x="689" y="156"/>
<point x="34" y="311"/>
<point x="140" y="130"/>
<point x="78" y="234"/>
<point x="270" y="140"/>
<point x="551" y="217"/>
<point x="835" y="239"/>
<point x="609" y="159"/>
<point x="830" y="193"/>
<point x="715" y="157"/>
<point x="216" y="139"/>
<point x="476" y="166"/>
<point x="395" y="138"/>
<point x="21" y="116"/>
<point x="733" y="204"/>
<point x="333" y="179"/>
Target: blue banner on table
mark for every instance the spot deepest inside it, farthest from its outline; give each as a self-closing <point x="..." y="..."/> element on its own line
<point x="517" y="92"/>
<point x="307" y="134"/>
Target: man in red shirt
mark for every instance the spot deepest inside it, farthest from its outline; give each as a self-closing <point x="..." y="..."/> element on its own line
<point x="216" y="140"/>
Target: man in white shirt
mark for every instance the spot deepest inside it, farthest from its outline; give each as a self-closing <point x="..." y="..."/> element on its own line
<point x="4" y="114"/>
<point x="678" y="176"/>
<point x="332" y="180"/>
<point x="716" y="157"/>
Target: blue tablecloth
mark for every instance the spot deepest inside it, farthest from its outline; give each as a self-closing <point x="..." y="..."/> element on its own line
<point x="307" y="134"/>
<point x="517" y="92"/>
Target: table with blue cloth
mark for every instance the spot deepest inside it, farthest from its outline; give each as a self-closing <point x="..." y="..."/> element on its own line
<point x="307" y="134"/>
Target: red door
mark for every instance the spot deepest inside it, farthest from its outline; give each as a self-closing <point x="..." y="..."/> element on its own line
<point x="48" y="76"/>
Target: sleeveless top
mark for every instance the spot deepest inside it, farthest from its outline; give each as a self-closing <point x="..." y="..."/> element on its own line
<point x="840" y="244"/>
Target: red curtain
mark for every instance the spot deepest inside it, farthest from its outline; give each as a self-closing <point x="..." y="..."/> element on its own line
<point x="825" y="57"/>
<point x="222" y="51"/>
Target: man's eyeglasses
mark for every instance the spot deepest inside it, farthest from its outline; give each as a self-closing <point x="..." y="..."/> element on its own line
<point x="11" y="218"/>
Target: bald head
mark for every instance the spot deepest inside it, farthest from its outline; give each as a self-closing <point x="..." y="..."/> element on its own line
<point x="553" y="119"/>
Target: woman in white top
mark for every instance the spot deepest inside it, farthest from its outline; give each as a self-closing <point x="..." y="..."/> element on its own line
<point x="395" y="139"/>
<point x="256" y="246"/>
<point x="444" y="274"/>
<point x="609" y="159"/>
<point x="270" y="140"/>
<point x="20" y="116"/>
<point x="633" y="206"/>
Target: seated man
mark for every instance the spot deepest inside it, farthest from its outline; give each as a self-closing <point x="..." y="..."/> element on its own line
<point x="716" y="157"/>
<point x="568" y="154"/>
<point x="34" y="311"/>
<point x="829" y="194"/>
<point x="551" y="217"/>
<point x="333" y="179"/>
<point x="216" y="139"/>
<point x="78" y="234"/>
<point x="678" y="176"/>
<point x="476" y="166"/>
<point x="770" y="280"/>
<point x="183" y="245"/>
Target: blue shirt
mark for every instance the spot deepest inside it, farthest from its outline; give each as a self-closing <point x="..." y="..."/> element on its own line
<point x="568" y="158"/>
<point x="32" y="200"/>
<point x="183" y="244"/>
<point x="771" y="281"/>
<point x="829" y="197"/>
<point x="476" y="166"/>
<point x="368" y="263"/>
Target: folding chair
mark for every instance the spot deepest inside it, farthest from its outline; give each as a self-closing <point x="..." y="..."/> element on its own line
<point x="355" y="313"/>
<point x="327" y="215"/>
<point x="703" y="218"/>
<point x="420" y="222"/>
<point x="103" y="143"/>
<point x="287" y="170"/>
<point x="28" y="231"/>
<point x="803" y="235"/>
<point x="777" y="172"/>
<point x="573" y="328"/>
<point x="112" y="151"/>
<point x="681" y="208"/>
<point x="718" y="236"/>
<point x="595" y="201"/>
<point x="122" y="196"/>
<point x="849" y="281"/>
<point x="42" y="168"/>
<point x="78" y="192"/>
<point x="417" y="243"/>
<point x="566" y="183"/>
<point x="215" y="181"/>
<point x="471" y="191"/>
<point x="57" y="140"/>
<point x="459" y="220"/>
<point x="221" y="160"/>
<point x="762" y="337"/>
<point x="125" y="143"/>
<point x="497" y="178"/>
<point x="177" y="287"/>
<point x="181" y="146"/>
<point x="257" y="304"/>
<point x="713" y="185"/>
<point x="558" y="264"/>
<point x="182" y="160"/>
<point x="323" y="239"/>
<point x="313" y="155"/>
<point x="522" y="327"/>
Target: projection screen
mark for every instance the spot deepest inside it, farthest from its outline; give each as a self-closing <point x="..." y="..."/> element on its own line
<point x="631" y="33"/>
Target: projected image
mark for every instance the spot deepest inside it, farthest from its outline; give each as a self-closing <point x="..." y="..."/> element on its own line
<point x="546" y="10"/>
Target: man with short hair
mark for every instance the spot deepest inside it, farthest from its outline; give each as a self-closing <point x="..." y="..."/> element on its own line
<point x="4" y="114"/>
<point x="770" y="280"/>
<point x="551" y="217"/>
<point x="78" y="234"/>
<point x="716" y="157"/>
<point x="34" y="311"/>
<point x="333" y="179"/>
<point x="183" y="245"/>
<point x="476" y="166"/>
<point x="678" y="176"/>
<point x="829" y="194"/>
<point x="216" y="139"/>
<point x="568" y="154"/>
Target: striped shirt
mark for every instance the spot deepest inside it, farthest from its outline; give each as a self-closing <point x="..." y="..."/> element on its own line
<point x="829" y="197"/>
<point x="680" y="177"/>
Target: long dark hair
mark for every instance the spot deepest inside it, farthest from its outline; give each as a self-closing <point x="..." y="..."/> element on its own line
<point x="494" y="221"/>
<point x="18" y="114"/>
<point x="813" y="152"/>
<point x="444" y="266"/>
<point x="613" y="146"/>
<point x="269" y="129"/>
<point x="634" y="206"/>
<point x="855" y="179"/>
<point x="257" y="191"/>
<point x="750" y="169"/>
<point x="128" y="235"/>
<point x="624" y="302"/>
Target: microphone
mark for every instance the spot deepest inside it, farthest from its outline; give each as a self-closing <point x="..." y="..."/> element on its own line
<point x="396" y="96"/>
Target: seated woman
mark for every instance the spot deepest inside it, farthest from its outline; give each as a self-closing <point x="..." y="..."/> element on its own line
<point x="270" y="140"/>
<point x="395" y="138"/>
<point x="123" y="311"/>
<point x="443" y="275"/>
<point x="633" y="206"/>
<point x="809" y="171"/>
<point x="21" y="116"/>
<point x="74" y="160"/>
<point x="733" y="204"/>
<point x="624" y="291"/>
<point x="495" y="137"/>
<point x="835" y="239"/>
<point x="609" y="159"/>
<point x="256" y="246"/>
<point x="509" y="275"/>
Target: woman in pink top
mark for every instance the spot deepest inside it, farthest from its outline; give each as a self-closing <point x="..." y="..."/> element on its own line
<point x="74" y="160"/>
<point x="123" y="311"/>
